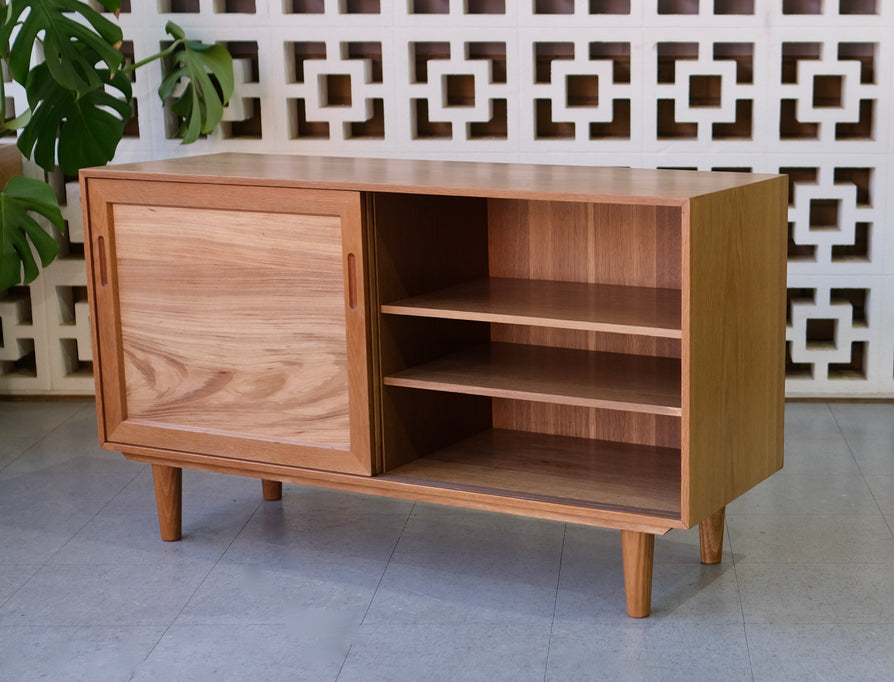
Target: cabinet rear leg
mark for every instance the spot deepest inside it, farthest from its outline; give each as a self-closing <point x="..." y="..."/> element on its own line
<point x="168" y="495"/>
<point x="272" y="489"/>
<point x="710" y="537"/>
<point x="638" y="552"/>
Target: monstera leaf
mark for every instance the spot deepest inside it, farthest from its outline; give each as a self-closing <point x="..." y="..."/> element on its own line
<point x="88" y="127"/>
<point x="20" y="197"/>
<point x="55" y="24"/>
<point x="201" y="104"/>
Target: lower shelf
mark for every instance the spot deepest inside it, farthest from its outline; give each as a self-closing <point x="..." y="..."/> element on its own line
<point x="605" y="475"/>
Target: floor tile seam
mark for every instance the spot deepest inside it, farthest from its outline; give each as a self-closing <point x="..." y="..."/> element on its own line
<point x="865" y="480"/>
<point x="344" y="661"/>
<point x="24" y="452"/>
<point x="375" y="591"/>
<point x="520" y="622"/>
<point x="42" y="436"/>
<point x="836" y="562"/>
<point x="37" y="570"/>
<point x="735" y="565"/>
<point x="823" y="514"/>
<point x="90" y="520"/>
<point x="129" y="564"/>
<point x="849" y="448"/>
<point x="801" y="623"/>
<point x="783" y="473"/>
<point x="800" y="513"/>
<point x="79" y="626"/>
<point x="549" y="641"/>
<point x="201" y="582"/>
<point x="814" y="563"/>
<point x="71" y="537"/>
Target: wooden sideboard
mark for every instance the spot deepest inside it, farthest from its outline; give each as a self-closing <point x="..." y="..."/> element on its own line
<point x="601" y="346"/>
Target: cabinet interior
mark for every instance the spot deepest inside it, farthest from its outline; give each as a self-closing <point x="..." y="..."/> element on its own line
<point x="531" y="348"/>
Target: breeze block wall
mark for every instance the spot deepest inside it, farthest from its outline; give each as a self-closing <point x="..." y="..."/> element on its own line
<point x="801" y="87"/>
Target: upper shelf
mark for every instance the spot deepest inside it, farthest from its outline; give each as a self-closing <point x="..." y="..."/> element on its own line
<point x="557" y="375"/>
<point x="563" y="305"/>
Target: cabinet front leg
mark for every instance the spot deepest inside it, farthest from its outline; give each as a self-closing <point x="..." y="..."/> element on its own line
<point x="168" y="495"/>
<point x="710" y="537"/>
<point x="638" y="551"/>
<point x="272" y="489"/>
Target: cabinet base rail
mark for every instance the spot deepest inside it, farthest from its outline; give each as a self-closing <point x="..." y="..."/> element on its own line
<point x="637" y="547"/>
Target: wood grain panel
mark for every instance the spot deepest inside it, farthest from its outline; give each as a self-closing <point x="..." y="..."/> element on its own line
<point x="575" y="242"/>
<point x="222" y="325"/>
<point x="633" y="344"/>
<point x="733" y="341"/>
<point x="262" y="297"/>
<point x="587" y="422"/>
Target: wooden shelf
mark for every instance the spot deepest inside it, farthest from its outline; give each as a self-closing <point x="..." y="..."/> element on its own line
<point x="556" y="375"/>
<point x="563" y="305"/>
<point x="577" y="471"/>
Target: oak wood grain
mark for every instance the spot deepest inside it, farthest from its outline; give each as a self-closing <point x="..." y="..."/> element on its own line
<point x="168" y="483"/>
<point x="571" y="377"/>
<point x="224" y="329"/>
<point x="271" y="490"/>
<point x="566" y="305"/>
<point x="236" y="330"/>
<point x="587" y="422"/>
<point x="710" y="537"/>
<point x="638" y="551"/>
<point x="733" y="344"/>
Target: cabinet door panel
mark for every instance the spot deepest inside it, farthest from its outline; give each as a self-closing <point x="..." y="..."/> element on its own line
<point x="235" y="333"/>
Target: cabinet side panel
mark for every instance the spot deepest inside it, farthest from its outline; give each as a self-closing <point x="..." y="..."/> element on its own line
<point x="233" y="322"/>
<point x="733" y="344"/>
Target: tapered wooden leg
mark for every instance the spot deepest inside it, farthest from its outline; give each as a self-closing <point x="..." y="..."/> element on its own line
<point x="638" y="551"/>
<point x="272" y="489"/>
<point x="168" y="491"/>
<point x="710" y="537"/>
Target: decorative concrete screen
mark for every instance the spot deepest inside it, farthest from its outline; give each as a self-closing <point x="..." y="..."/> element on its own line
<point x="801" y="87"/>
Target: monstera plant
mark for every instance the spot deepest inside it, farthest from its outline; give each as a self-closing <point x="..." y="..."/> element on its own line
<point x="67" y="57"/>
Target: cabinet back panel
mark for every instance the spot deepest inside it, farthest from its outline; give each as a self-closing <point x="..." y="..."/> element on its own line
<point x="238" y="330"/>
<point x="580" y="242"/>
<point x="586" y="340"/>
<point x="587" y="422"/>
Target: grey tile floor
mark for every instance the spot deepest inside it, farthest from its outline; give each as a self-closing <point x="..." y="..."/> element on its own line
<point x="333" y="586"/>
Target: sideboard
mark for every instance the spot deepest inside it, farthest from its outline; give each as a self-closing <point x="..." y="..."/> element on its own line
<point x="601" y="346"/>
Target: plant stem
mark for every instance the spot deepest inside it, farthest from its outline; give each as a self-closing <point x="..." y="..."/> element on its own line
<point x="164" y="53"/>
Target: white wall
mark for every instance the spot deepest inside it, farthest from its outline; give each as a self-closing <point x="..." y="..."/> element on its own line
<point x="799" y="86"/>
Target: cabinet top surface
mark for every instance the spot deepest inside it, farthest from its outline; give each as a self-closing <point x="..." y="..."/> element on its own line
<point x="460" y="178"/>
